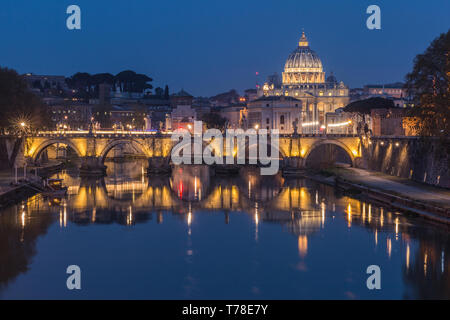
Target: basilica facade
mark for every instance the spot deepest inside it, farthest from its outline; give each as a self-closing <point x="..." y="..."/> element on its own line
<point x="304" y="80"/>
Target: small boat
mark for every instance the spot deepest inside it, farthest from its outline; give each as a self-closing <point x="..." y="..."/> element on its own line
<point x="54" y="188"/>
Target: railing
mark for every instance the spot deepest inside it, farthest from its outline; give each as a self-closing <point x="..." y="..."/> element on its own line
<point x="122" y="133"/>
<point x="99" y="133"/>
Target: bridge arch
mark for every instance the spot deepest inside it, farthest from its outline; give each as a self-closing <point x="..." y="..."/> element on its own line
<point x="117" y="142"/>
<point x="44" y="145"/>
<point x="338" y="143"/>
<point x="255" y="147"/>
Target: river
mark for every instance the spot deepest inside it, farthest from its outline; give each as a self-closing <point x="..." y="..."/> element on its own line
<point x="197" y="236"/>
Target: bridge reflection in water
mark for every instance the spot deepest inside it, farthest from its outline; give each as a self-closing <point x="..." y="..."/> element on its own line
<point x="307" y="210"/>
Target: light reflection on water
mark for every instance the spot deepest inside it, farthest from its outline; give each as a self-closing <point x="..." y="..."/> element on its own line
<point x="194" y="235"/>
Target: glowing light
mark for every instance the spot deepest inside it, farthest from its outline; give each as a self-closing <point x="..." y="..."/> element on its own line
<point x="195" y="187"/>
<point x="302" y="152"/>
<point x="425" y="263"/>
<point x="355" y="153"/>
<point x="349" y="215"/>
<point x="302" y="246"/>
<point x="340" y="124"/>
<point x="307" y="124"/>
<point x="389" y="247"/>
<point x="407" y="256"/>
<point x="256" y="126"/>
<point x="323" y="213"/>
<point x="396" y="227"/>
<point x="189" y="218"/>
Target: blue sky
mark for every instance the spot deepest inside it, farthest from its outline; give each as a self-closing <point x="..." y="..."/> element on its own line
<point x="209" y="46"/>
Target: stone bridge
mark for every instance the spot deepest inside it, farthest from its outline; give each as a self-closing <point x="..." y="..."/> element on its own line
<point x="93" y="148"/>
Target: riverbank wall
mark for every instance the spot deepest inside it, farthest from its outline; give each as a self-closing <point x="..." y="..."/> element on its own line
<point x="421" y="159"/>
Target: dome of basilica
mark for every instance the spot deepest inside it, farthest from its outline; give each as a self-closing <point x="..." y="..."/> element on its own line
<point x="303" y="66"/>
<point x="303" y="59"/>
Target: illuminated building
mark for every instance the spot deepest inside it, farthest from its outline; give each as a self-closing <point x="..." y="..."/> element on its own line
<point x="304" y="79"/>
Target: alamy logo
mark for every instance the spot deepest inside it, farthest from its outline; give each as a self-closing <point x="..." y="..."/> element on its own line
<point x="374" y="280"/>
<point x="231" y="151"/>
<point x="74" y="280"/>
<point x="374" y="20"/>
<point x="74" y="20"/>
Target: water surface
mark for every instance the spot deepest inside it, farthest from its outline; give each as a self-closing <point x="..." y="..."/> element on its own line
<point x="197" y="236"/>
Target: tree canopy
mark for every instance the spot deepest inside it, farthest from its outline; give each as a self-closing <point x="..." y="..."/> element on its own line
<point x="365" y="106"/>
<point x="87" y="85"/>
<point x="428" y="84"/>
<point x="20" y="109"/>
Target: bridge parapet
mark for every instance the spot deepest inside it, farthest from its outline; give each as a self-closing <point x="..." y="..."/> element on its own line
<point x="157" y="147"/>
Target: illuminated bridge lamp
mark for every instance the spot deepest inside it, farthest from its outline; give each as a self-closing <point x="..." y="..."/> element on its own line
<point x="302" y="152"/>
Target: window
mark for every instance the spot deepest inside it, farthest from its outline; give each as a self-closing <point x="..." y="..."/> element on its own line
<point x="267" y="121"/>
<point x="281" y="120"/>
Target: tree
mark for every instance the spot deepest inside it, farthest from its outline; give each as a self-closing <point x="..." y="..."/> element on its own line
<point x="82" y="82"/>
<point x="364" y="107"/>
<point x="87" y="85"/>
<point x="166" y="92"/>
<point x="131" y="81"/>
<point x="428" y="85"/>
<point x="20" y="110"/>
<point x="159" y="92"/>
